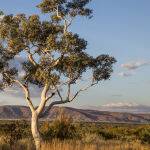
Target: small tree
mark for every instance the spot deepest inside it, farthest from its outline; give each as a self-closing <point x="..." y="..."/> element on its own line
<point x="54" y="57"/>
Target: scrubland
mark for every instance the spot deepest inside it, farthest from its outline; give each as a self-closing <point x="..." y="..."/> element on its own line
<point x="64" y="134"/>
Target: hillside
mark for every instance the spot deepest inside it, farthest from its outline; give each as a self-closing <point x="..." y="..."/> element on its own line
<point x="23" y="112"/>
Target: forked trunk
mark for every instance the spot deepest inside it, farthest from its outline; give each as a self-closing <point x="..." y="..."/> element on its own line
<point x="35" y="131"/>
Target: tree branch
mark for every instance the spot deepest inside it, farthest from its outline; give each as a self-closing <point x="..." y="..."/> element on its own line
<point x="26" y="91"/>
<point x="67" y="99"/>
<point x="67" y="23"/>
<point x="51" y="105"/>
<point x="30" y="56"/>
<point x="56" y="62"/>
<point x="27" y="95"/>
<point x="50" y="97"/>
<point x="57" y="90"/>
<point x="45" y="90"/>
<point x="81" y="90"/>
<point x="69" y="91"/>
<point x="43" y="98"/>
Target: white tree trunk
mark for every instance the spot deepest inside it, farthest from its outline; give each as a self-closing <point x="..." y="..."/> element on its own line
<point x="35" y="131"/>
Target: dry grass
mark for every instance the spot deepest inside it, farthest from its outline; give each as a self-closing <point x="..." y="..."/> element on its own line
<point x="77" y="145"/>
<point x="101" y="145"/>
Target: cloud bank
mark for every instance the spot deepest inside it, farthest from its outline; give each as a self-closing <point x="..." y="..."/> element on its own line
<point x="132" y="66"/>
<point x="135" y="65"/>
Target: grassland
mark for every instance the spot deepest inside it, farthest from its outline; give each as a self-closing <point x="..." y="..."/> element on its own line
<point x="63" y="134"/>
<point x="77" y="145"/>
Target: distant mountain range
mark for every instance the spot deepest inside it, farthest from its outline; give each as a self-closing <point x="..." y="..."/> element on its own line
<point x="23" y="112"/>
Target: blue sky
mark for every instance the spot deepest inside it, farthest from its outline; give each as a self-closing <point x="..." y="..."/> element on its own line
<point x="119" y="28"/>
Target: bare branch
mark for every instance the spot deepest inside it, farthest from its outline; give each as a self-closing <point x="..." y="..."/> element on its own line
<point x="27" y="95"/>
<point x="45" y="90"/>
<point x="56" y="62"/>
<point x="81" y="90"/>
<point x="59" y="94"/>
<point x="65" y="26"/>
<point x="57" y="11"/>
<point x="57" y="90"/>
<point x="67" y="23"/>
<point x="30" y="56"/>
<point x="43" y="98"/>
<point x="69" y="91"/>
<point x="49" y="97"/>
<point x="51" y="105"/>
<point x="67" y="99"/>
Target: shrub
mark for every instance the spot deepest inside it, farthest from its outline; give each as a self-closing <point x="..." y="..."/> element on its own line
<point x="12" y="132"/>
<point x="62" y="128"/>
<point x="145" y="136"/>
<point x="107" y="135"/>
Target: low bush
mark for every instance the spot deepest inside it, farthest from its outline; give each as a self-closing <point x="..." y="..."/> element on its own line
<point x="14" y="131"/>
<point x="62" y="128"/>
<point x="145" y="136"/>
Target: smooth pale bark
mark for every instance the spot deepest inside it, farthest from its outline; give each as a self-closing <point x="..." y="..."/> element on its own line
<point x="35" y="117"/>
<point x="35" y="131"/>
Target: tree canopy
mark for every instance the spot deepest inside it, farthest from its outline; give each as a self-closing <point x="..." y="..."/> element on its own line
<point x="53" y="55"/>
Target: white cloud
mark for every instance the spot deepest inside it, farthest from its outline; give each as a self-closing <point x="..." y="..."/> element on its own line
<point x="125" y="74"/>
<point x="117" y="95"/>
<point x="1" y="17"/>
<point x="135" y="64"/>
<point x="19" y="59"/>
<point x="11" y="90"/>
<point x="16" y="91"/>
<point x="131" y="66"/>
<point x="21" y="73"/>
<point x="121" y="104"/>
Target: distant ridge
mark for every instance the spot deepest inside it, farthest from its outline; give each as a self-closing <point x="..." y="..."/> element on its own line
<point x="23" y="112"/>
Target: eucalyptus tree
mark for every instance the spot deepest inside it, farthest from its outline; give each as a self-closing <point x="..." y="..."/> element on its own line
<point x="55" y="59"/>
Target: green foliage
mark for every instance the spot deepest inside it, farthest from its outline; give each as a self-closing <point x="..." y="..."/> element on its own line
<point x="144" y="135"/>
<point x="1" y="13"/>
<point x="108" y="135"/>
<point x="51" y="51"/>
<point x="66" y="7"/>
<point x="14" y="131"/>
<point x="62" y="128"/>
